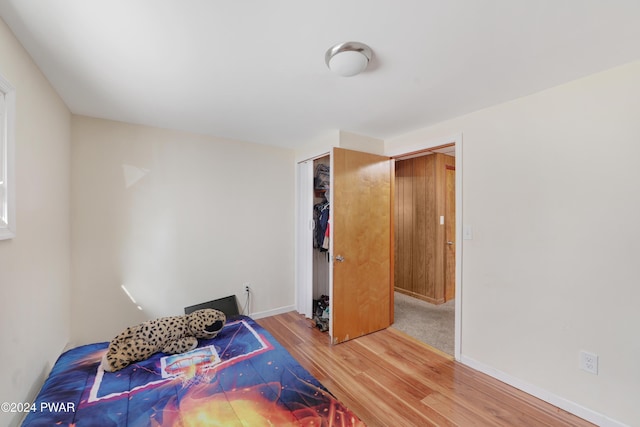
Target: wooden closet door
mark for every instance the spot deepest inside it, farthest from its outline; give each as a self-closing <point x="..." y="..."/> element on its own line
<point x="361" y="224"/>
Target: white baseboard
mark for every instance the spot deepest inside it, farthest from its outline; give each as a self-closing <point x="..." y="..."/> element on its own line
<point x="261" y="314"/>
<point x="560" y="402"/>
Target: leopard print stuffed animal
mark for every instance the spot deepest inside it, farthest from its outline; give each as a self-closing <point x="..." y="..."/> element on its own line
<point x="172" y="335"/>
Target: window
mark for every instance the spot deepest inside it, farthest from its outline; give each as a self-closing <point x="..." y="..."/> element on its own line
<point x="7" y="184"/>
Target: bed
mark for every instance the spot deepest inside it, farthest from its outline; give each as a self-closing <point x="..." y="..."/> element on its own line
<point x="242" y="377"/>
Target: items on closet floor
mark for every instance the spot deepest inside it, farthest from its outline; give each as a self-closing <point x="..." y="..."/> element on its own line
<point x="321" y="313"/>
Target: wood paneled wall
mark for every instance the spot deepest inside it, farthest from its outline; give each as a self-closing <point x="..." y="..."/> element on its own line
<point x="419" y="237"/>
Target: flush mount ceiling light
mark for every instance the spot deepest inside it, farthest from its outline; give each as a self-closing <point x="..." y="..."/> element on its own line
<point x="349" y="58"/>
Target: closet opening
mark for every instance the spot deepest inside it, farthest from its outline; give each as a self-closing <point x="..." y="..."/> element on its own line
<point x="321" y="260"/>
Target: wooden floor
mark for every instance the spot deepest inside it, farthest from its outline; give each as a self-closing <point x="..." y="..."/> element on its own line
<point x="390" y="379"/>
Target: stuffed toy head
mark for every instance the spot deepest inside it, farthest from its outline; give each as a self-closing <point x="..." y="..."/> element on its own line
<point x="172" y="335"/>
<point x="205" y="323"/>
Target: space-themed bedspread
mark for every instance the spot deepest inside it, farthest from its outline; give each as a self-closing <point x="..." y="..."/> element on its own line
<point x="243" y="377"/>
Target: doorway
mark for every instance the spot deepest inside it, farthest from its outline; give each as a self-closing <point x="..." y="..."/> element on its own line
<point x="426" y="220"/>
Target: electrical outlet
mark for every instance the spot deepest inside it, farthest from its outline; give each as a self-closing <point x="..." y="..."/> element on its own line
<point x="589" y="362"/>
<point x="247" y="289"/>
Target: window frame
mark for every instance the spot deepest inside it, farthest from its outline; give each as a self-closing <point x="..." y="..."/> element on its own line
<point x="7" y="148"/>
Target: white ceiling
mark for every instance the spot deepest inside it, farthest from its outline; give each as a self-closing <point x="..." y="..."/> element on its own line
<point x="254" y="70"/>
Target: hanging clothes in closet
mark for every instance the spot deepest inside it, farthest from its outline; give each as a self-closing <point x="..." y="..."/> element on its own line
<point x="321" y="210"/>
<point x="321" y="216"/>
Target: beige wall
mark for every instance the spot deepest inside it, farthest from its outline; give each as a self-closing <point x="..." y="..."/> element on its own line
<point x="178" y="219"/>
<point x="35" y="265"/>
<point x="550" y="187"/>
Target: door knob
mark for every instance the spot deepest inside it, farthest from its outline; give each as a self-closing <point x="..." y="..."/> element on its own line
<point x="339" y="258"/>
<point x="449" y="243"/>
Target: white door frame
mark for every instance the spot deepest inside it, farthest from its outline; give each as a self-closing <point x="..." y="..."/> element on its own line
<point x="425" y="145"/>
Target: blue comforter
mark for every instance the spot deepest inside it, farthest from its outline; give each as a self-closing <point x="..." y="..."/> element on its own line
<point x="243" y="377"/>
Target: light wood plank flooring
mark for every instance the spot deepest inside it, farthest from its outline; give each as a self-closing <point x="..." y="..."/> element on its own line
<point x="390" y="379"/>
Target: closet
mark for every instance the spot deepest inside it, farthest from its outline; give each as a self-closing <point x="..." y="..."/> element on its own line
<point x="356" y="270"/>
<point x="321" y="240"/>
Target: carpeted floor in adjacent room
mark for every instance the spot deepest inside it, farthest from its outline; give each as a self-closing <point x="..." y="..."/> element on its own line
<point x="429" y="323"/>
